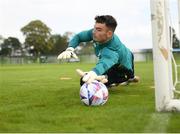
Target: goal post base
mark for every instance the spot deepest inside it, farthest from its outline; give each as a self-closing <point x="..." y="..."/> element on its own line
<point x="173" y="106"/>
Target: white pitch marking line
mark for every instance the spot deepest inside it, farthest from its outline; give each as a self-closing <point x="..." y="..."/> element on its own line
<point x="158" y="123"/>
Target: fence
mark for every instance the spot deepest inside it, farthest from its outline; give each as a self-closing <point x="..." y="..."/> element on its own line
<point x="138" y="56"/>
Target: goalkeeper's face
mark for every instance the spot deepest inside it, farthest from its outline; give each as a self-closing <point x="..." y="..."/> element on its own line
<point x="101" y="33"/>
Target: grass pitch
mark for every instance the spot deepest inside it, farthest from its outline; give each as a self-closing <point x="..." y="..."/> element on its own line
<point x="45" y="98"/>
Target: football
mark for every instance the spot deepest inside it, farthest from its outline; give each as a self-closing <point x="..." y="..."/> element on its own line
<point x="94" y="94"/>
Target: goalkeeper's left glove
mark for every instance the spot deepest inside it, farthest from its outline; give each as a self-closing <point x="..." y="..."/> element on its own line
<point x="67" y="54"/>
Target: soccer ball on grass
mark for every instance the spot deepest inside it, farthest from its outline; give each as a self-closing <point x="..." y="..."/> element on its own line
<point x="95" y="93"/>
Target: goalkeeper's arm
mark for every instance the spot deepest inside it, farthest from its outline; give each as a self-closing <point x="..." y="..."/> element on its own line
<point x="84" y="36"/>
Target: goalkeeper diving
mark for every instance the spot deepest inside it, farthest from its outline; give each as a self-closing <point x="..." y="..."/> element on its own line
<point x="116" y="62"/>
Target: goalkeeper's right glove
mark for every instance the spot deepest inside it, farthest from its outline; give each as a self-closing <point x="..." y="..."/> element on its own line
<point x="67" y="54"/>
<point x="90" y="76"/>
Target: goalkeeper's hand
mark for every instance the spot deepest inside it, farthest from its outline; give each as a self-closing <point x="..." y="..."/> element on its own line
<point x="89" y="77"/>
<point x="67" y="54"/>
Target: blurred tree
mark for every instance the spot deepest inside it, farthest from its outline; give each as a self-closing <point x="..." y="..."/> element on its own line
<point x="60" y="43"/>
<point x="176" y="42"/>
<point x="6" y="48"/>
<point x="1" y="41"/>
<point x="14" y="42"/>
<point x="86" y="48"/>
<point x="69" y="35"/>
<point x="38" y="37"/>
<point x="9" y="45"/>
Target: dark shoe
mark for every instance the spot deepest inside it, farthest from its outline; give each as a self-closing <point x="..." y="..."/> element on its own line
<point x="135" y="79"/>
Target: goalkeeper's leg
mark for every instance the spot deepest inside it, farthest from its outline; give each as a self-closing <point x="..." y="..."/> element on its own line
<point x="115" y="75"/>
<point x="119" y="74"/>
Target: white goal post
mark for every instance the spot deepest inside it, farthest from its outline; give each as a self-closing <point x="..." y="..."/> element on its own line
<point x="164" y="96"/>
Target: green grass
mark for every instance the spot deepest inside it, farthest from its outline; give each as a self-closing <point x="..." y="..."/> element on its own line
<point x="33" y="98"/>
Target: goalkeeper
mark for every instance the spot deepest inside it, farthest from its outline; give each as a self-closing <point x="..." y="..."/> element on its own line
<point x="116" y="61"/>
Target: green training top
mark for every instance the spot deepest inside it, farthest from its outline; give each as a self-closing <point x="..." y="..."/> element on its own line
<point x="110" y="53"/>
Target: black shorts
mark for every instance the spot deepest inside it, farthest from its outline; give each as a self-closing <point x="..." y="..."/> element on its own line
<point x="117" y="74"/>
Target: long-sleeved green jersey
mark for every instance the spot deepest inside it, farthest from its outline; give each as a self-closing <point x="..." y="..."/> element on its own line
<point x="110" y="53"/>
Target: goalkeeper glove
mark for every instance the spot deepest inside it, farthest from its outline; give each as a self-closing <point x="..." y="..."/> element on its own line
<point x="90" y="76"/>
<point x="67" y="54"/>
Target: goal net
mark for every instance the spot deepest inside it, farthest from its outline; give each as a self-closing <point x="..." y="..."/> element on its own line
<point x="174" y="24"/>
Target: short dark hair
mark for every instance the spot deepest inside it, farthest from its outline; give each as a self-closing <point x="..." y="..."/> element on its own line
<point x="108" y="20"/>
